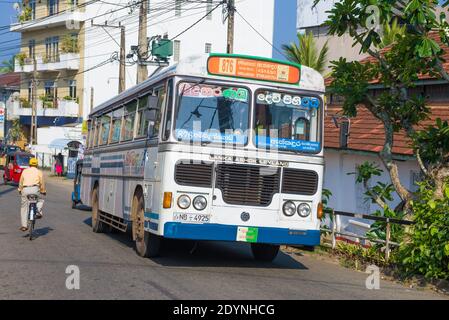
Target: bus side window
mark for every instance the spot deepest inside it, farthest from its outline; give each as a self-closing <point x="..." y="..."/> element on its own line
<point x="105" y="128"/>
<point x="97" y="132"/>
<point x="117" y="116"/>
<point x="169" y="111"/>
<point x="129" y="119"/>
<point x="89" y="133"/>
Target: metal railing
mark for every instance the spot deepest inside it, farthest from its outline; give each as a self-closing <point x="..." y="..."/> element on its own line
<point x="389" y="221"/>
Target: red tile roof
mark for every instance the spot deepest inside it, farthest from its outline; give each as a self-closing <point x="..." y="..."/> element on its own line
<point x="11" y="79"/>
<point x="366" y="133"/>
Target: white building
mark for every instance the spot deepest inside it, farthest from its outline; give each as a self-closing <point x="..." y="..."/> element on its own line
<point x="311" y="19"/>
<point x="171" y="18"/>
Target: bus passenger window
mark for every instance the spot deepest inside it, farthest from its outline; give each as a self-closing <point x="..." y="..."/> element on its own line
<point x="168" y="108"/>
<point x="130" y="115"/>
<point x="97" y="132"/>
<point x="105" y="128"/>
<point x="116" y="125"/>
<point x="89" y="133"/>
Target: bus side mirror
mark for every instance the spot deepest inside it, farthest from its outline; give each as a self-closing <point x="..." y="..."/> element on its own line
<point x="151" y="116"/>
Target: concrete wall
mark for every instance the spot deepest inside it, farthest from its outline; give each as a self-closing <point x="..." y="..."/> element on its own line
<point x="349" y="196"/>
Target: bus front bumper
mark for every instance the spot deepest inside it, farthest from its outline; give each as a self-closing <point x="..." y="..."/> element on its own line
<point x="220" y="232"/>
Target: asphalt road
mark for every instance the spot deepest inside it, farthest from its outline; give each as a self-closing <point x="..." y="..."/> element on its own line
<point x="110" y="269"/>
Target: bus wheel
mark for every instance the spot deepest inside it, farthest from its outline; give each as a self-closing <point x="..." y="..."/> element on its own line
<point x="264" y="252"/>
<point x="97" y="225"/>
<point x="147" y="244"/>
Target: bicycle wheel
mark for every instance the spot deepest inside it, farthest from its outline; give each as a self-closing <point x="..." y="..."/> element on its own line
<point x="31" y="228"/>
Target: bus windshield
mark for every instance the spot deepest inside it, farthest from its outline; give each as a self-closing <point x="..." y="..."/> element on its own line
<point x="287" y="121"/>
<point x="212" y="113"/>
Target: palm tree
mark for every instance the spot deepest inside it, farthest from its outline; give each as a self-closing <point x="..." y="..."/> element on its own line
<point x="306" y="53"/>
<point x="391" y="33"/>
<point x="7" y="66"/>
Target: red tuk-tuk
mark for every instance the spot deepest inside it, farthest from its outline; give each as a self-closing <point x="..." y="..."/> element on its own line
<point x="16" y="162"/>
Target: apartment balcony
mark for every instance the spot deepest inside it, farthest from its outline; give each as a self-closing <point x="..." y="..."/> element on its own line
<point x="70" y="19"/>
<point x="65" y="61"/>
<point x="58" y="108"/>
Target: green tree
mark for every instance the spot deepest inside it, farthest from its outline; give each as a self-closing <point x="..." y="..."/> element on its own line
<point x="7" y="66"/>
<point x="397" y="70"/>
<point x="306" y="53"/>
<point x="390" y="33"/>
<point x="15" y="132"/>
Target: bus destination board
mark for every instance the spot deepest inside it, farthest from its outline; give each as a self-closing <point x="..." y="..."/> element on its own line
<point x="253" y="68"/>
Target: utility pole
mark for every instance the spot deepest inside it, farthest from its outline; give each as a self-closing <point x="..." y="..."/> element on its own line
<point x="91" y="99"/>
<point x="33" y="135"/>
<point x="231" y="11"/>
<point x="142" y="71"/>
<point x="122" y="45"/>
<point x="121" y="73"/>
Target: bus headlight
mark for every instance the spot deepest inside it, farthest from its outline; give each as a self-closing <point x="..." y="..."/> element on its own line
<point x="199" y="203"/>
<point x="304" y="210"/>
<point x="289" y="208"/>
<point x="184" y="201"/>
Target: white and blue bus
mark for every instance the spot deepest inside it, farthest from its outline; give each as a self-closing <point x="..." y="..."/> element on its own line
<point x="218" y="147"/>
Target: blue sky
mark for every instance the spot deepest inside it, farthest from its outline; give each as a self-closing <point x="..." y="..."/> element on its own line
<point x="284" y="25"/>
<point x="7" y="15"/>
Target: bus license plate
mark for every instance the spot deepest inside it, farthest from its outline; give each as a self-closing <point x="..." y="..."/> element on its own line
<point x="191" y="217"/>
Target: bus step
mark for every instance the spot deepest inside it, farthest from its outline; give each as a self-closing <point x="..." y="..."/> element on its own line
<point x="113" y="221"/>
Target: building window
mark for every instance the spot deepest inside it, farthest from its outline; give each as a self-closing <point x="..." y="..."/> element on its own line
<point x="178" y="8"/>
<point x="31" y="49"/>
<point x="209" y="9"/>
<point x="72" y="89"/>
<point x="32" y="5"/>
<point x="176" y="50"/>
<point x="208" y="48"/>
<point x="51" y="92"/>
<point x="53" y="7"/>
<point x="51" y="49"/>
<point x="73" y="4"/>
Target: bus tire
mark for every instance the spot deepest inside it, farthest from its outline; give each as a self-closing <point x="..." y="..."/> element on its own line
<point x="97" y="225"/>
<point x="147" y="244"/>
<point x="264" y="252"/>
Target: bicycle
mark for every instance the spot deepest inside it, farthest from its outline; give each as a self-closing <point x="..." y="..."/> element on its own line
<point x="32" y="211"/>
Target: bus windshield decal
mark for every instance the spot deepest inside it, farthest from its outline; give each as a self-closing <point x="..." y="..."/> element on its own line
<point x="288" y="100"/>
<point x="206" y="91"/>
<point x="211" y="136"/>
<point x="287" y="144"/>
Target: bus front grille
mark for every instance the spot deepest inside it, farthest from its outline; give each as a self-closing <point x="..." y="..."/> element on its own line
<point x="247" y="184"/>
<point x="302" y="182"/>
<point x="194" y="174"/>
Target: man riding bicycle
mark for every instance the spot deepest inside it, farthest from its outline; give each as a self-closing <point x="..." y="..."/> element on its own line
<point x="31" y="182"/>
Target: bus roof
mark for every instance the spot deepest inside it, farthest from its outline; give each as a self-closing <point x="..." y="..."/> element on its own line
<point x="197" y="66"/>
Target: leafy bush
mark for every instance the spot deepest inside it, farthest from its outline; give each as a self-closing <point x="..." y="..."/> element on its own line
<point x="21" y="58"/>
<point x="427" y="252"/>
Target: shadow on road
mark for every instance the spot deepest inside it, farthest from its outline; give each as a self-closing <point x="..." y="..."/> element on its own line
<point x="5" y="191"/>
<point x="37" y="233"/>
<point x="189" y="253"/>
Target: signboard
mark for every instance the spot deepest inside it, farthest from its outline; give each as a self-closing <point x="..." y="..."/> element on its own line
<point x="2" y="113"/>
<point x="253" y="68"/>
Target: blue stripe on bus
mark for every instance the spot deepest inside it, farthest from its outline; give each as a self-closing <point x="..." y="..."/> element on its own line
<point x="111" y="165"/>
<point x="151" y="225"/>
<point x="151" y="215"/>
<point x="115" y="157"/>
<point x="221" y="232"/>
